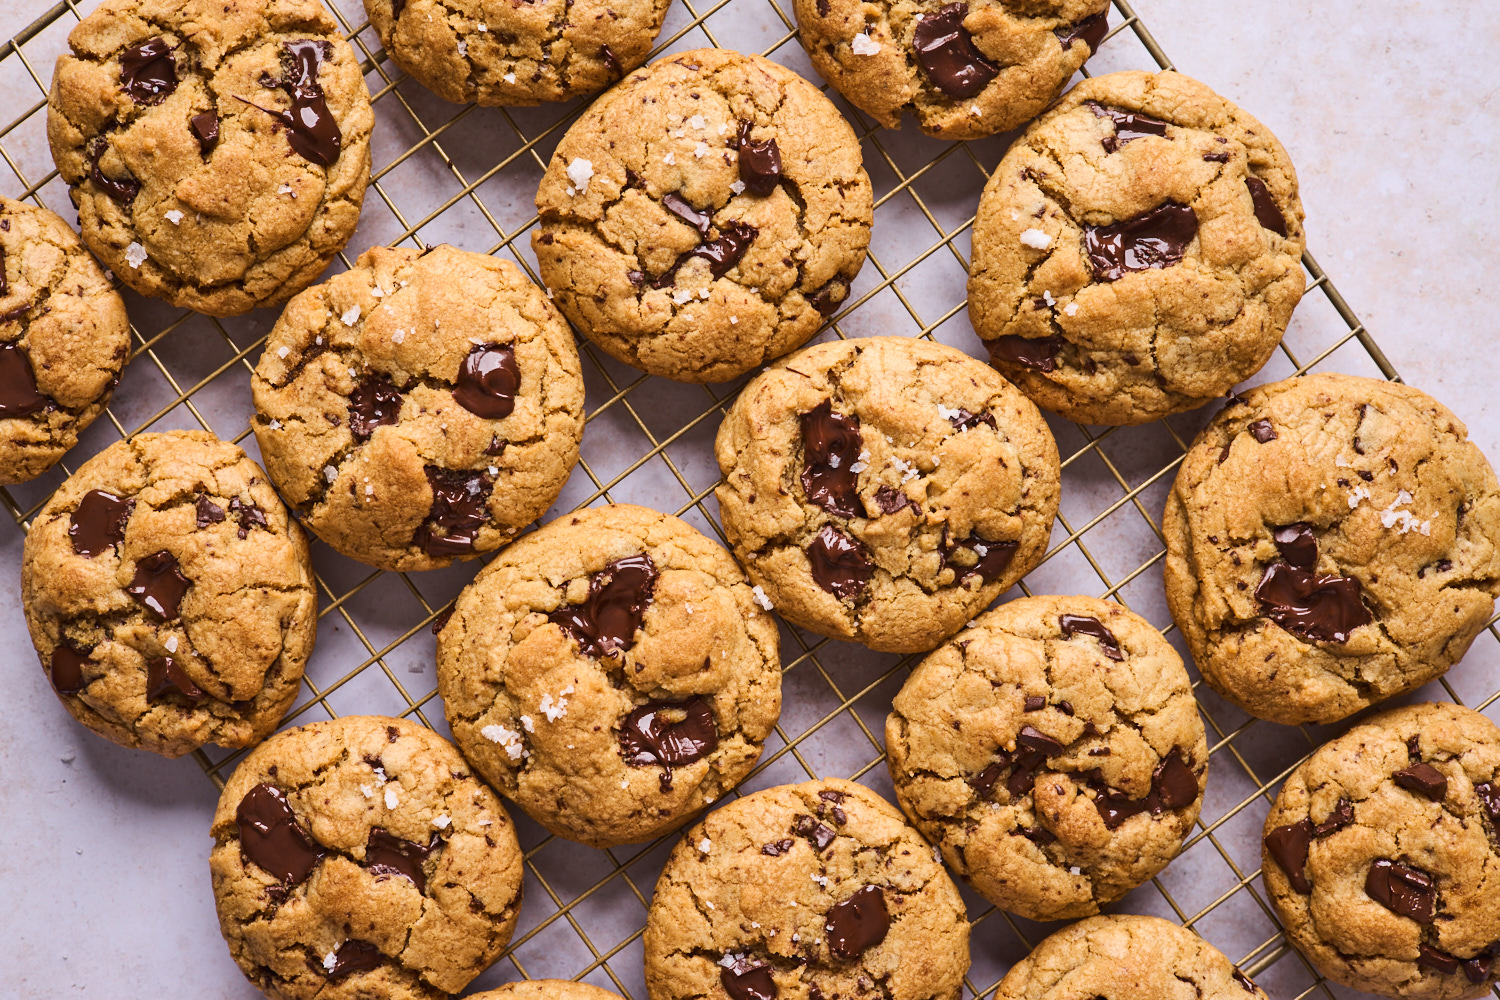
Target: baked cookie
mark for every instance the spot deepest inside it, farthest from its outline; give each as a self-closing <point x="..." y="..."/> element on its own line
<point x="611" y="674"/>
<point x="64" y="337"/>
<point x="360" y="857"/>
<point x="1331" y="542"/>
<point x="1053" y="752"/>
<point x="805" y="891"/>
<point x="1126" y="957"/>
<point x="420" y="408"/>
<point x="545" y="989"/>
<point x="885" y="489"/>
<point x="1137" y="252"/>
<point x="704" y="216"/>
<point x="499" y="53"/>
<point x="170" y="596"/>
<point x="963" y="70"/>
<point x="217" y="150"/>
<point x="1381" y="855"/>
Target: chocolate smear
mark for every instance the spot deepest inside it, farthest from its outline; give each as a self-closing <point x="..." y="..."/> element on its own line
<point x="1243" y="980"/>
<point x="839" y="564"/>
<point x="310" y="129"/>
<point x="387" y="855"/>
<point x="99" y="522"/>
<point x="1403" y="890"/>
<point x="460" y="507"/>
<point x="1424" y="779"/>
<point x="67" y="669"/>
<point x="123" y="191"/>
<point x="147" y="72"/>
<point x="272" y="839"/>
<point x="760" y="162"/>
<point x="1287" y="845"/>
<point x="164" y="675"/>
<point x="375" y="401"/>
<point x="1297" y="544"/>
<point x="1085" y="625"/>
<point x="1157" y="239"/>
<point x="488" y="381"/>
<point x="1318" y="608"/>
<point x="678" y="206"/>
<point x="1039" y="353"/>
<point x="858" y="923"/>
<point x="945" y="51"/>
<point x="606" y="621"/>
<point x="353" y="956"/>
<point x="668" y="735"/>
<point x="1266" y="212"/>
<point x="1090" y="31"/>
<point x="159" y="584"/>
<point x="1129" y="126"/>
<point x="831" y="447"/>
<point x="19" y="395"/>
<point x="991" y="559"/>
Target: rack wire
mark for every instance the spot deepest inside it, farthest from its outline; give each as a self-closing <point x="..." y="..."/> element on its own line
<point x="466" y="175"/>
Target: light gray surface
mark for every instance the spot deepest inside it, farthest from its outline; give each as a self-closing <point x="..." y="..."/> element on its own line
<point x="1389" y="111"/>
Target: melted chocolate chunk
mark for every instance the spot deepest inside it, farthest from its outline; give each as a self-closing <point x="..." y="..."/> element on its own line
<point x="1114" y="806"/>
<point x="1489" y="794"/>
<point x="1037" y="835"/>
<point x="1319" y="608"/>
<point x="1476" y="969"/>
<point x="1022" y="777"/>
<point x="1129" y="126"/>
<point x="159" y="584"/>
<point x="858" y="923"/>
<point x="1424" y="779"/>
<point x="99" y="522"/>
<point x="991" y="559"/>
<point x="1262" y="431"/>
<point x="1037" y="353"/>
<point x="1297" y="544"/>
<point x="1266" y="212"/>
<point x="1243" y="980"/>
<point x="1090" y="31"/>
<point x="248" y="515"/>
<point x="726" y="251"/>
<point x="678" y="206"/>
<point x="608" y="55"/>
<point x="826" y="300"/>
<point x="147" y="72"/>
<point x="1084" y="625"/>
<point x="374" y="401"/>
<point x="387" y="855"/>
<point x="984" y="782"/>
<point x="760" y="163"/>
<point x="821" y="836"/>
<point x="207" y="512"/>
<point x="830" y="447"/>
<point x="945" y="51"/>
<point x="1341" y="816"/>
<point x="1157" y="239"/>
<point x="963" y="420"/>
<point x="353" y="956"/>
<point x="488" y="381"/>
<point x="839" y="564"/>
<point x="607" y="620"/>
<point x="1402" y="889"/>
<point x="165" y="675"/>
<point x="890" y="500"/>
<point x="748" y="979"/>
<point x="67" y="669"/>
<point x="205" y="128"/>
<point x="1288" y="846"/>
<point x="1432" y="958"/>
<point x="668" y="735"/>
<point x="460" y="507"/>
<point x="1033" y="739"/>
<point x="19" y="396"/>
<point x="123" y="191"/>
<point x="776" y="848"/>
<point x="1173" y="784"/>
<point x="271" y="837"/>
<point x="311" y="130"/>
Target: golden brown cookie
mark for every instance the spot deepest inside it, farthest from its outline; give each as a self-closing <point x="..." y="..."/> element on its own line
<point x="545" y="989"/>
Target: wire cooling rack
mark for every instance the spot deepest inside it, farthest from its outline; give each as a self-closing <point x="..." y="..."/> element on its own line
<point x="467" y="176"/>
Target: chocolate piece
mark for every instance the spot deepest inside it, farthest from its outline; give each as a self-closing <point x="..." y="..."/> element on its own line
<point x="760" y="163"/>
<point x="374" y="401"/>
<point x="1402" y="889"/>
<point x="1288" y="846"/>
<point x="99" y="522"/>
<point x="945" y="51"/>
<point x="858" y="923"/>
<point x="488" y="381"/>
<point x="1297" y="545"/>
<point x="1341" y="816"/>
<point x="890" y="500"/>
<point x="441" y="619"/>
<point x="984" y="782"/>
<point x="123" y="191"/>
<point x="1114" y="806"/>
<point x="311" y="130"/>
<point x="839" y="564"/>
<point x="726" y="251"/>
<point x="1173" y="784"/>
<point x="159" y="584"/>
<point x="18" y="392"/>
<point x="205" y="128"/>
<point x="1432" y="958"/>
<point x="827" y="299"/>
<point x="1033" y="739"/>
<point x="271" y="837"/>
<point x="991" y="559"/>
<point x="387" y="855"/>
<point x="821" y="836"/>
<point x="1243" y="980"/>
<point x="1266" y="212"/>
<point x="1157" y="239"/>
<point x="1489" y="794"/>
<point x="1034" y="703"/>
<point x="607" y="620"/>
<point x="460" y="507"/>
<point x="963" y="420"/>
<point x="1217" y="157"/>
<point x="247" y="514"/>
<point x="1036" y="834"/>
<point x="1039" y="353"/>
<point x="4" y="282"/>
<point x="67" y="669"/>
<point x="165" y="675"/>
<point x="1090" y="31"/>
<point x="678" y="206"/>
<point x="147" y="72"/>
<point x="1476" y="969"/>
<point x="831" y="447"/>
<point x="1262" y="430"/>
<point x="1085" y="625"/>
<point x="353" y="956"/>
<point x="1320" y="608"/>
<point x="1022" y="776"/>
<point x="776" y="848"/>
<point x="496" y="446"/>
<point x="748" y="979"/>
<point x="668" y="735"/>
<point x="1424" y="779"/>
<point x="207" y="512"/>
<point x="608" y="55"/>
<point x="1129" y="126"/>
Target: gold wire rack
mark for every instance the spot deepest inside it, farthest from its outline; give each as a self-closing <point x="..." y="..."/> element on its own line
<point x="467" y="176"/>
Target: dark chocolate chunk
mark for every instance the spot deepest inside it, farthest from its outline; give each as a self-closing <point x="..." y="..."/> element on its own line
<point x="1297" y="544"/>
<point x="678" y="206"/>
<point x="122" y="191"/>
<point x="760" y="162"/>
<point x="147" y="72"/>
<point x="67" y="669"/>
<point x="99" y="522"/>
<point x="984" y="782"/>
<point x="1114" y="806"/>
<point x="248" y="515"/>
<point x="963" y="420"/>
<point x="748" y="979"/>
<point x="1039" y="353"/>
<point x="374" y="402"/>
<point x="858" y="923"/>
<point x="820" y="835"/>
<point x="839" y="564"/>
<point x="827" y="299"/>
<point x="387" y="855"/>
<point x="271" y="837"/>
<point x="1034" y="703"/>
<point x="668" y="735"/>
<point x="1173" y="784"/>
<point x="1476" y="969"/>
<point x="1090" y="31"/>
<point x="1216" y="157"/>
<point x="1129" y="126"/>
<point x="159" y="584"/>
<point x="991" y="559"/>
<point x="1085" y="625"/>
<point x="1288" y="846"/>
<point x="353" y="956"/>
<point x="831" y="447"/>
<point x="725" y="252"/>
<point x="946" y="53"/>
<point x="1424" y="779"/>
<point x="1033" y="739"/>
<point x="608" y="55"/>
<point x="1341" y="816"/>
<point x="890" y="500"/>
<point x="1489" y="794"/>
<point x="1022" y="776"/>
<point x="776" y="848"/>
<point x="460" y="507"/>
<point x="1266" y="212"/>
<point x="441" y="619"/>
<point x="1402" y="889"/>
<point x="607" y="620"/>
<point x="1263" y="431"/>
<point x="1432" y="958"/>
<point x="1320" y="608"/>
<point x="310" y="129"/>
<point x="1243" y="980"/>
<point x="1037" y="835"/>
<point x="207" y="512"/>
<point x="1157" y="239"/>
<point x="205" y="129"/>
<point x="19" y="395"/>
<point x="488" y="381"/>
<point x="165" y="675"/>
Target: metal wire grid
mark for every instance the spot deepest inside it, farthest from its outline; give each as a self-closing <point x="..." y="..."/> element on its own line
<point x="838" y="694"/>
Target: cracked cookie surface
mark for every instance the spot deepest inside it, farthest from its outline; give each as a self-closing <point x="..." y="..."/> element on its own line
<point x="1137" y="251"/>
<point x="217" y="150"/>
<point x="170" y="595"/>
<point x="64" y="337"/>
<point x="1382" y="854"/>
<point x="885" y="489"/>
<point x="611" y="674"/>
<point x="360" y="857"/>
<point x="805" y="891"/>
<point x="704" y="216"/>
<point x="1125" y="957"/>
<point x="423" y="407"/>
<point x="1331" y="542"/>
<point x="499" y="53"/>
<point x="963" y="70"/>
<point x="1053" y="752"/>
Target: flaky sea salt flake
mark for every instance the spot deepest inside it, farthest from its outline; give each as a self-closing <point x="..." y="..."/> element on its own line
<point x="760" y="597"/>
<point x="1036" y="239"/>
<point x="580" y="172"/>
<point x="135" y="255"/>
<point x="174" y="217"/>
<point x="864" y="45"/>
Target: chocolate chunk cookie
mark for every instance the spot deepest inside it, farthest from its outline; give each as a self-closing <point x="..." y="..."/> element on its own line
<point x="1331" y="542"/>
<point x="499" y="53"/>
<point x="1126" y="957"/>
<point x="217" y="150"/>
<point x="1380" y="855"/>
<point x="64" y="337"/>
<point x="420" y="408"/>
<point x="885" y="489"/>
<point x="1053" y="752"/>
<point x="964" y="70"/>
<point x="170" y="596"/>
<point x="704" y="216"/>
<point x="805" y="891"/>
<point x="360" y="857"/>
<point x="545" y="989"/>
<point x="1137" y="252"/>
<point x="611" y="674"/>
